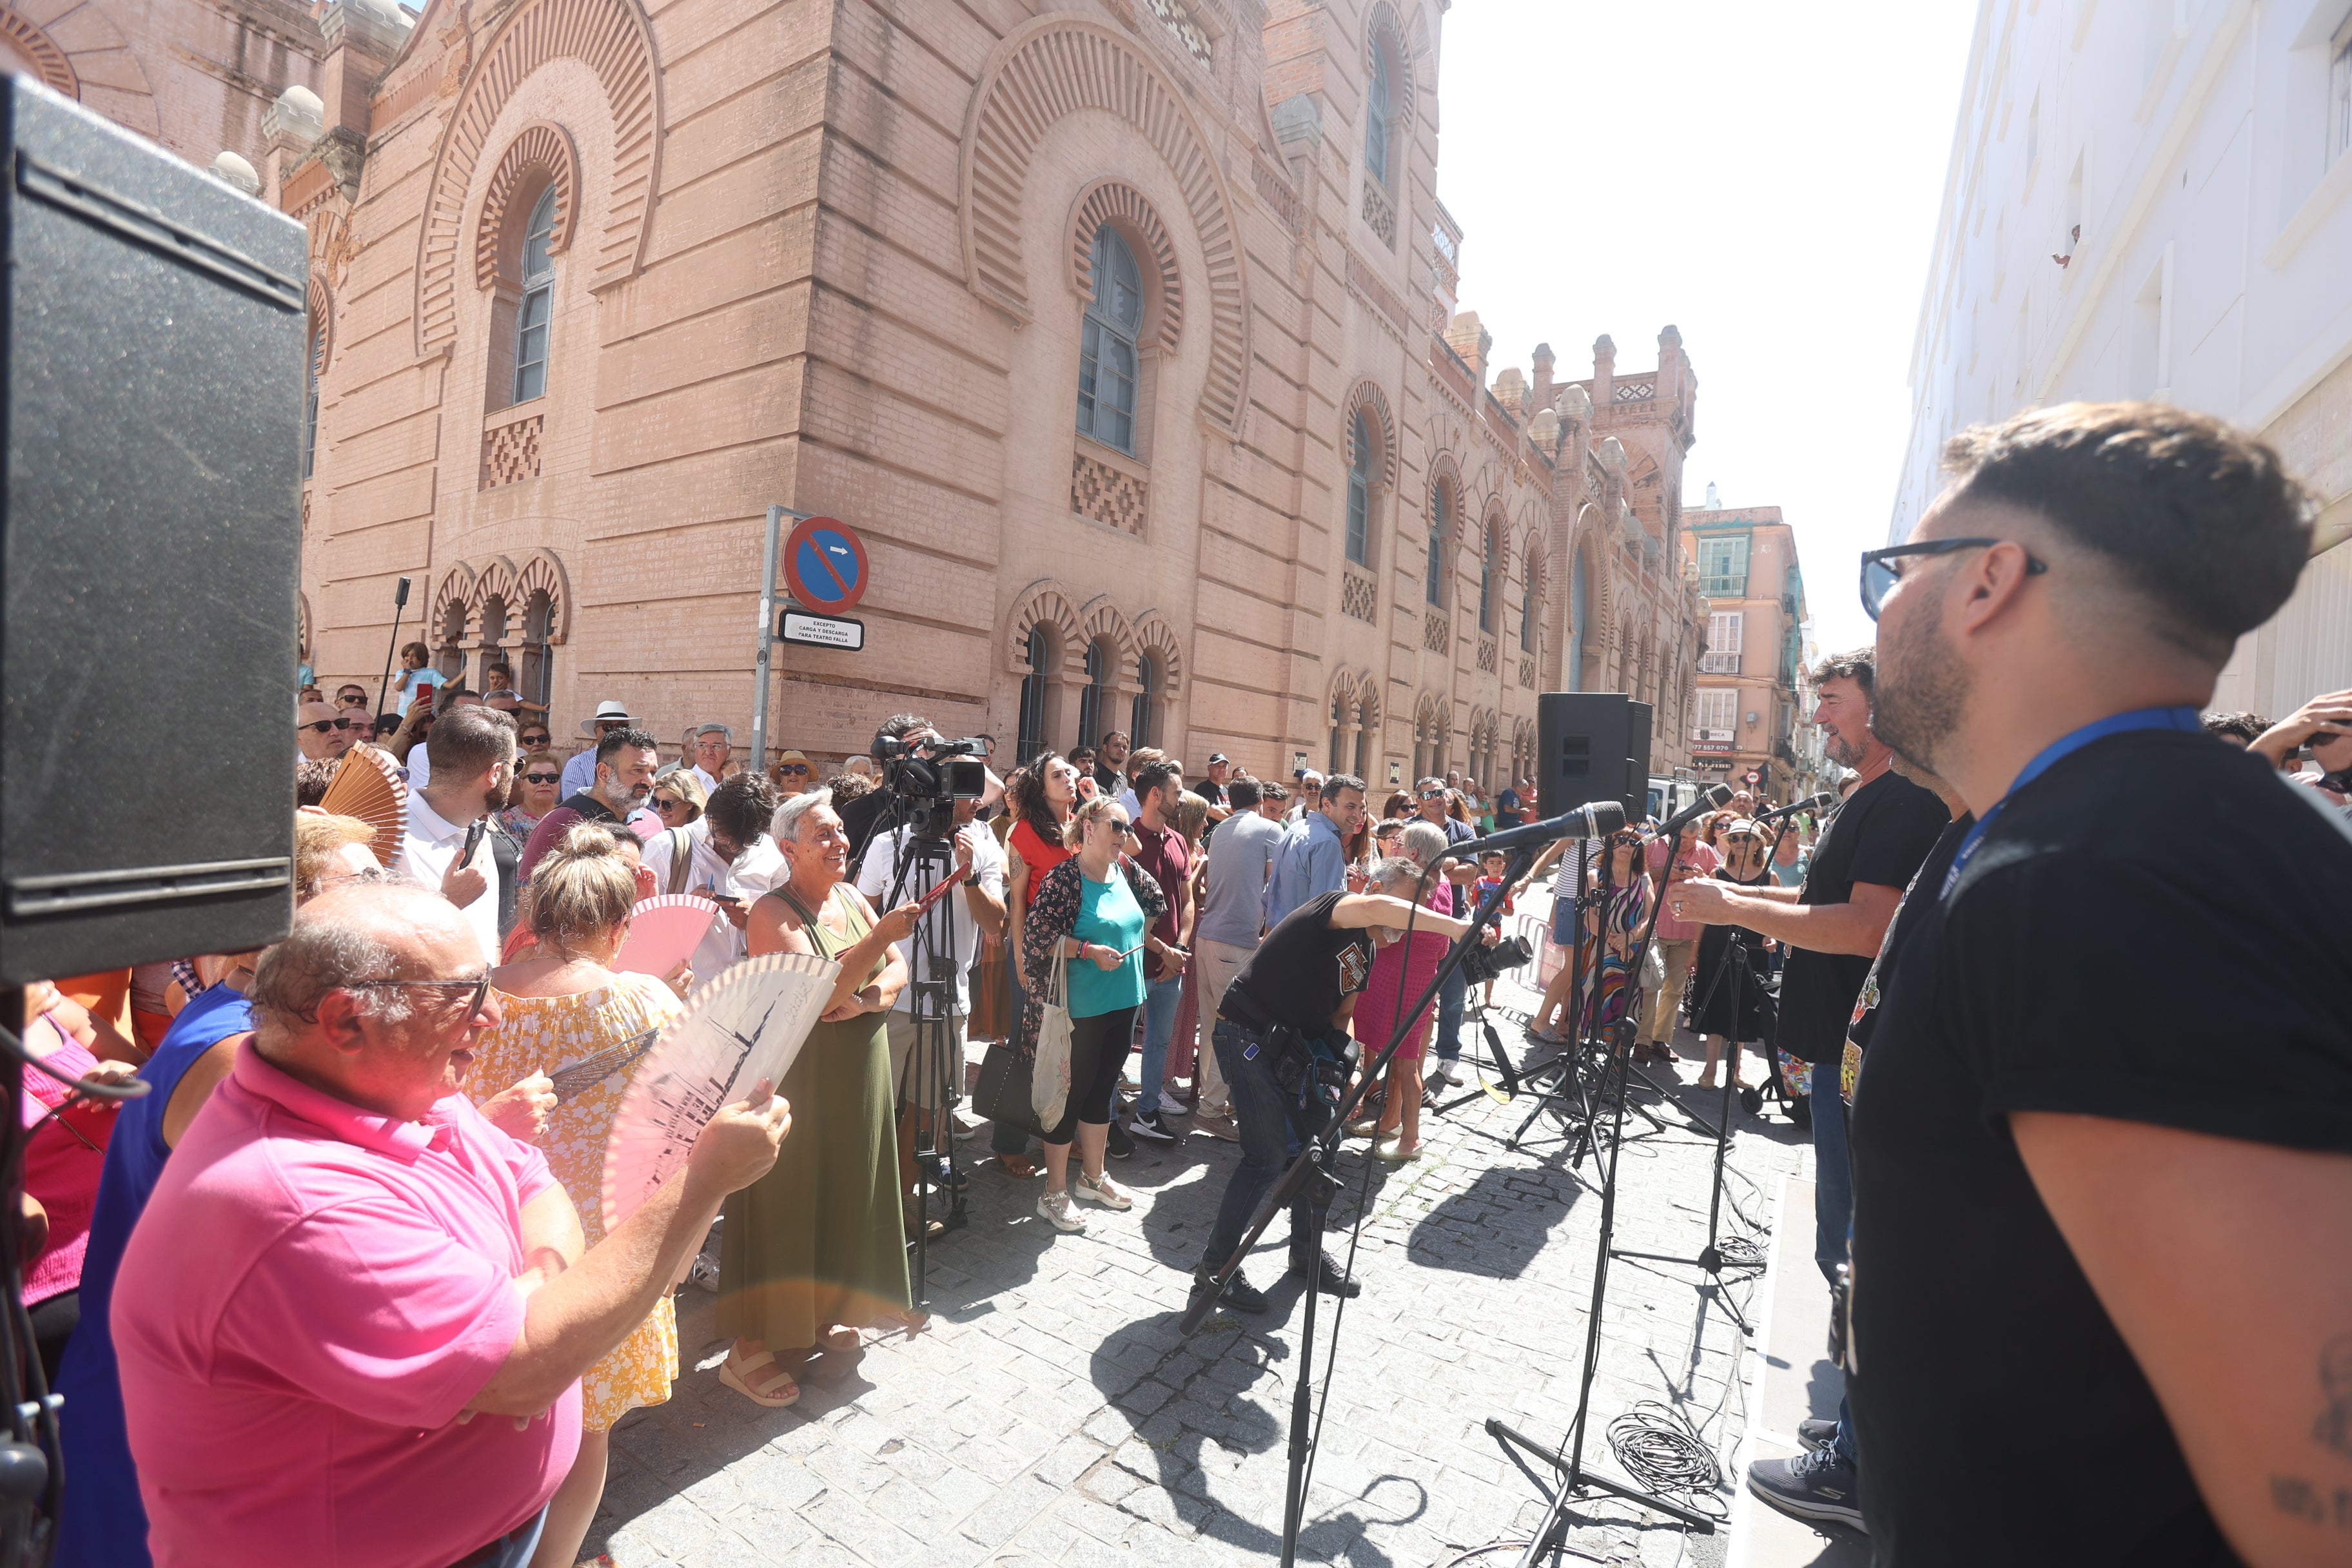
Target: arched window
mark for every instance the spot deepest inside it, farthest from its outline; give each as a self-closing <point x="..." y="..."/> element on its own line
<point x="1097" y="694"/>
<point x="1106" y="351"/>
<point x="1440" y="526"/>
<point x="1339" y="713"/>
<point x="1360" y="494"/>
<point x="310" y="405"/>
<point x="538" y="305"/>
<point x="494" y="630"/>
<point x="537" y="676"/>
<point x="1489" y="569"/>
<point x="1377" y="119"/>
<point x="1368" y="719"/>
<point x="1033" y="700"/>
<point x="1576" y="622"/>
<point x="1140" y="729"/>
<point x="1527" y="605"/>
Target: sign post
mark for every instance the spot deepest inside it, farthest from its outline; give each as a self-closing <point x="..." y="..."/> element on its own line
<point x="776" y="515"/>
<point x="825" y="566"/>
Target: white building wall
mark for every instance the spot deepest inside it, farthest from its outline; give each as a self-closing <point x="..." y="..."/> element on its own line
<point x="2197" y="143"/>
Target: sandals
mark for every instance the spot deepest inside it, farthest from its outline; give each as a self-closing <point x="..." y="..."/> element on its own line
<point x="765" y="1393"/>
<point x="1394" y="1151"/>
<point x="1020" y="1167"/>
<point x="839" y="1339"/>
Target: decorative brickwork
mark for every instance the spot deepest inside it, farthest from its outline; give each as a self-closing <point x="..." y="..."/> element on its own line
<point x="539" y="150"/>
<point x="1436" y="635"/>
<point x="1102" y="493"/>
<point x="510" y="452"/>
<point x="1277" y="191"/>
<point x="1188" y="33"/>
<point x="1113" y="200"/>
<point x="25" y="37"/>
<point x="614" y="39"/>
<point x="1367" y="282"/>
<point x="1528" y="673"/>
<point x="1486" y="655"/>
<point x="1369" y="400"/>
<point x="1379" y="211"/>
<point x="1357" y="596"/>
<point x="1055" y="67"/>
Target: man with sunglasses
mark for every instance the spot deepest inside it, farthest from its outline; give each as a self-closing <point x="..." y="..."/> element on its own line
<point x="322" y="734"/>
<point x="2103" y="1132"/>
<point x="353" y="1321"/>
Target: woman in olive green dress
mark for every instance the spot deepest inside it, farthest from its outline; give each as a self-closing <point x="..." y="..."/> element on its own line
<point x="816" y="1250"/>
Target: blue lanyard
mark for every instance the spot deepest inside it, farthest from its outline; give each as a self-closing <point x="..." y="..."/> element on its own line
<point x="2184" y="718"/>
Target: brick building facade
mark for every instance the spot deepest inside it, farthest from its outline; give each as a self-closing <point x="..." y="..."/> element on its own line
<point x="592" y="288"/>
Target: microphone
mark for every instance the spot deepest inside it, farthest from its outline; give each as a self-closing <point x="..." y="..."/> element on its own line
<point x="1709" y="798"/>
<point x="1595" y="819"/>
<point x="1820" y="802"/>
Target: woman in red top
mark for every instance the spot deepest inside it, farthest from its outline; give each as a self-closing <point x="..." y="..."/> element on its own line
<point x="1043" y="797"/>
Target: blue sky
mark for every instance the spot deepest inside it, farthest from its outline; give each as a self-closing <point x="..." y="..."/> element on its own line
<point x="1766" y="178"/>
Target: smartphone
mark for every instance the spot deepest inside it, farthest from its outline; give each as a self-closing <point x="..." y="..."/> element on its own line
<point x="424" y="703"/>
<point x="473" y="840"/>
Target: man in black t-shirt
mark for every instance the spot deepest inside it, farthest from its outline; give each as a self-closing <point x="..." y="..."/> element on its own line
<point x="1304" y="978"/>
<point x="2103" y="1131"/>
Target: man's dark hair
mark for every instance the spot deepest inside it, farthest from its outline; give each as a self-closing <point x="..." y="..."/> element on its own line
<point x="1153" y="774"/>
<point x="1861" y="666"/>
<point x="466" y="740"/>
<point x="1334" y="783"/>
<point x="1271" y="789"/>
<point x="311" y="779"/>
<point x="741" y="806"/>
<point x="1240" y="791"/>
<point x="899" y="726"/>
<point x="2246" y="727"/>
<point x="616" y="739"/>
<point x="2204" y="520"/>
<point x="386" y="722"/>
<point x="1110" y="735"/>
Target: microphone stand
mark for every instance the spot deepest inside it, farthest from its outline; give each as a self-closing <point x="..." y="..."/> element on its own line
<point x="1307" y="1175"/>
<point x="1568" y="1459"/>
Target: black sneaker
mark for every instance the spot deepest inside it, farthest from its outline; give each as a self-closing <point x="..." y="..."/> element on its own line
<point x="1240" y="1294"/>
<point x="1148" y="1126"/>
<point x="1117" y="1143"/>
<point x="953" y="1177"/>
<point x="1817" y="1486"/>
<point x="1328" y="1276"/>
<point x="1817" y="1433"/>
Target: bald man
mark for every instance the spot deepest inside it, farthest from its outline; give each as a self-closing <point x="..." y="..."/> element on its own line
<point x="323" y="733"/>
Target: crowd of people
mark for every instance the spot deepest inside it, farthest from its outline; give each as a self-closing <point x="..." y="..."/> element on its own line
<point x="339" y="1287"/>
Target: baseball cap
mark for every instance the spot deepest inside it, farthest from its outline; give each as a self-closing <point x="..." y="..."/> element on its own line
<point x="1216" y="757"/>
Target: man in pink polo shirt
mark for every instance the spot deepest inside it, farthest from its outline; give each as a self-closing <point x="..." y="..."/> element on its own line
<point x="344" y="1265"/>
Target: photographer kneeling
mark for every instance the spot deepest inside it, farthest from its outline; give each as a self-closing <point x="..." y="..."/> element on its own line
<point x="1285" y="1021"/>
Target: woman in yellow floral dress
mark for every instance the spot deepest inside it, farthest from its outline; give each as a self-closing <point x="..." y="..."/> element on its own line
<point x="566" y="1013"/>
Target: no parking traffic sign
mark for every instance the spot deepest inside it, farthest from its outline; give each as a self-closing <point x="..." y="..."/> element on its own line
<point x="824" y="565"/>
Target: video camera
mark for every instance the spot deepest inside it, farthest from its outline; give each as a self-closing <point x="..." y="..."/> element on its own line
<point x="1480" y="964"/>
<point x="929" y="776"/>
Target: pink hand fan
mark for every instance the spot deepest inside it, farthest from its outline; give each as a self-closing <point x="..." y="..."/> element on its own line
<point x="746" y="1024"/>
<point x="664" y="932"/>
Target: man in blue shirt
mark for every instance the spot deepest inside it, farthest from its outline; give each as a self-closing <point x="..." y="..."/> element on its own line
<point x="1311" y="859"/>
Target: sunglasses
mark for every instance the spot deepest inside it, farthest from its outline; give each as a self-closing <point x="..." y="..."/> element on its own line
<point x="792" y="767"/>
<point x="477" y="988"/>
<point x="663" y="803"/>
<point x="1879" y="576"/>
<point x="543" y="778"/>
<point x="320" y="726"/>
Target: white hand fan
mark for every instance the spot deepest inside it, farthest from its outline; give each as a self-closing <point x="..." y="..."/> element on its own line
<point x="664" y="932"/>
<point x="746" y="1024"/>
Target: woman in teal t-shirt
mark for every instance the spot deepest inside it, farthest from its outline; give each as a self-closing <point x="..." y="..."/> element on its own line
<point x="1096" y="909"/>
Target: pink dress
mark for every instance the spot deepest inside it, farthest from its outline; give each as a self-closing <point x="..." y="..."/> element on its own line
<point x="1415" y="959"/>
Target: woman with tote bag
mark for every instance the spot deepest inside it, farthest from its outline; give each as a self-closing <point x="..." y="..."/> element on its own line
<point x="1087" y="931"/>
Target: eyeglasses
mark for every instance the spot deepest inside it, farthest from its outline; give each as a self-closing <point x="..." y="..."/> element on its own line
<point x="477" y="988"/>
<point x="543" y="778"/>
<point x="1879" y="577"/>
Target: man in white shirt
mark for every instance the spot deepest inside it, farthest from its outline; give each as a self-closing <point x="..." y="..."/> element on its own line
<point x="473" y="754"/>
<point x="714" y="746"/>
<point x="730" y="858"/>
<point x="977" y="906"/>
<point x="420" y="757"/>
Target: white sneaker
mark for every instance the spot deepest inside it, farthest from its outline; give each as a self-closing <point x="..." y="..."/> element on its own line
<point x="1058" y="1208"/>
<point x="1104" y="1191"/>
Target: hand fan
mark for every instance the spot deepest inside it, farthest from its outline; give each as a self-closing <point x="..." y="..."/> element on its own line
<point x="368" y="785"/>
<point x="664" y="932"/>
<point x="746" y="1024"/>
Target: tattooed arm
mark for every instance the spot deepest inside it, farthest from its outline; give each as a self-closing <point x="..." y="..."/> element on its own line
<point x="2224" y="1267"/>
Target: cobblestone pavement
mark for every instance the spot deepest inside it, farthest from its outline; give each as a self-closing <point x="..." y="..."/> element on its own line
<point x="1053" y="1414"/>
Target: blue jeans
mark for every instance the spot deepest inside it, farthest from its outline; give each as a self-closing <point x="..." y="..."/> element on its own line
<point x="1833" y="1176"/>
<point x="1160" y="1000"/>
<point x="1271" y="1134"/>
<point x="1451" y="997"/>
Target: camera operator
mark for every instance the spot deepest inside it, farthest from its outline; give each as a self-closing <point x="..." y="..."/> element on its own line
<point x="918" y="738"/>
<point x="1284" y="1017"/>
<point x="977" y="906"/>
<point x="2092" y="1173"/>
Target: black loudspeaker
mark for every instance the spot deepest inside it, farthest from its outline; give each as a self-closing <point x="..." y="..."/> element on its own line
<point x="1593" y="745"/>
<point x="153" y="320"/>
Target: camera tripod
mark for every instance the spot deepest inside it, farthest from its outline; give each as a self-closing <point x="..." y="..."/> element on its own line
<point x="930" y="1084"/>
